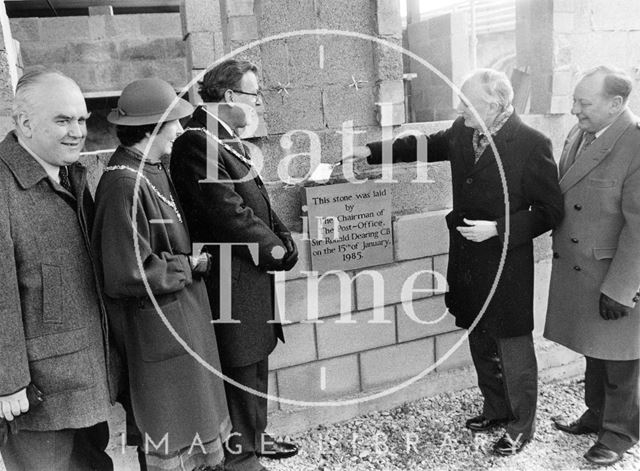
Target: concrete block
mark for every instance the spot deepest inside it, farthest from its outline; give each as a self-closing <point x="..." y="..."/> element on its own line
<point x="275" y="70"/>
<point x="122" y="27"/>
<point x="243" y="28"/>
<point x="279" y="16"/>
<point x="395" y="363"/>
<point x="303" y="55"/>
<point x="563" y="22"/>
<point x="388" y="15"/>
<point x="391" y="115"/>
<point x="100" y="10"/>
<point x="298" y="147"/>
<point x="173" y="71"/>
<point x="160" y="25"/>
<point x="395" y="276"/>
<point x="98" y="28"/>
<point x="300" y="347"/>
<point x="320" y="380"/>
<point x="300" y="108"/>
<point x="89" y="52"/>
<point x="388" y="63"/>
<point x="563" y="82"/>
<point x="137" y="49"/>
<point x="200" y="15"/>
<point x="565" y="6"/>
<point x="344" y="103"/>
<point x="561" y="104"/>
<point x="439" y="27"/>
<point x="457" y="357"/>
<point x="63" y="28"/>
<point x="355" y="15"/>
<point x="297" y="294"/>
<point x="175" y="47"/>
<point x="426" y="310"/>
<point x="239" y="7"/>
<point x="201" y="50"/>
<point x="84" y="76"/>
<point x="252" y="54"/>
<point x="391" y="91"/>
<point x="25" y="29"/>
<point x="34" y="53"/>
<point x="345" y="59"/>
<point x="421" y="235"/>
<point x="335" y="338"/>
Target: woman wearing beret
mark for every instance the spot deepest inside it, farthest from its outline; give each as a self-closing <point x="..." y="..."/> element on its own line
<point x="144" y="250"/>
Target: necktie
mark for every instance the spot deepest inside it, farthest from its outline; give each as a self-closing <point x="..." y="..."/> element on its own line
<point x="64" y="179"/>
<point x="587" y="139"/>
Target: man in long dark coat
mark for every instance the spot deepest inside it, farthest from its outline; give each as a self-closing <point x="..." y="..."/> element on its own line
<point x="501" y="343"/>
<point x="231" y="205"/>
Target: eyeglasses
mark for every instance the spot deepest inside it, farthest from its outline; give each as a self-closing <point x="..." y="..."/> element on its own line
<point x="258" y="95"/>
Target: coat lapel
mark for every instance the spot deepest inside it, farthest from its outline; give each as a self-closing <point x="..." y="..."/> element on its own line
<point x="596" y="152"/>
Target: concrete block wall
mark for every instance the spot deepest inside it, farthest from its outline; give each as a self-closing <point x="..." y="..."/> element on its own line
<point x="104" y="53"/>
<point x="443" y="42"/>
<point x="559" y="39"/>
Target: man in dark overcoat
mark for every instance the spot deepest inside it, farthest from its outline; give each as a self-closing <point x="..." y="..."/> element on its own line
<point x="595" y="279"/>
<point x="501" y="339"/>
<point x="52" y="320"/>
<point x="231" y="205"/>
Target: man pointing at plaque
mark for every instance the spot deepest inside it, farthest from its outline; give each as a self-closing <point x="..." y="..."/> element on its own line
<point x="501" y="343"/>
<point x="225" y="201"/>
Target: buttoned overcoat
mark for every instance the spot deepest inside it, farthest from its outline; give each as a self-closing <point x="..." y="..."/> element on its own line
<point x="531" y="193"/>
<point x="597" y="246"/>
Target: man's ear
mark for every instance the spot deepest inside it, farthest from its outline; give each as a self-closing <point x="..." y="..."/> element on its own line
<point x="24" y="124"/>
<point x="228" y="96"/>
<point x="617" y="104"/>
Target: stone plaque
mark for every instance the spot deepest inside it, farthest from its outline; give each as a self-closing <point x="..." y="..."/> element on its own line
<point x="349" y="225"/>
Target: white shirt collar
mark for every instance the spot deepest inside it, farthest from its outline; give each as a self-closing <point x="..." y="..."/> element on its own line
<point x="601" y="132"/>
<point x="53" y="171"/>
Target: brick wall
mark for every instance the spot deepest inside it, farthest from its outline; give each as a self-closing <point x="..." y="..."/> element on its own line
<point x="104" y="53"/>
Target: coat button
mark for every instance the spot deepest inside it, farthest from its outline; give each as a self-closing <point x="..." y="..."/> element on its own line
<point x="577" y="268"/>
<point x="556" y="255"/>
<point x="469" y="181"/>
<point x="574" y="240"/>
<point x="577" y="207"/>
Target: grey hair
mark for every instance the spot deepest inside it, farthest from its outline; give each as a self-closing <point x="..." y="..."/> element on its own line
<point x="616" y="81"/>
<point x="24" y="100"/>
<point x="495" y="84"/>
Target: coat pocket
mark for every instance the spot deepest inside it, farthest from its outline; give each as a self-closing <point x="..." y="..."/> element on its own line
<point x="601" y="254"/>
<point x="601" y="182"/>
<point x="60" y="362"/>
<point x="156" y="341"/>
<point x="51" y="294"/>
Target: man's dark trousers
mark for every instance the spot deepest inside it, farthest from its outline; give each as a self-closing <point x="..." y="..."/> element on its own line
<point x="611" y="394"/>
<point x="508" y="379"/>
<point x="248" y="415"/>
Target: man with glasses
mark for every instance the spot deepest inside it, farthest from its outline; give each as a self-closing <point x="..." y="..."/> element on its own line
<point x="225" y="201"/>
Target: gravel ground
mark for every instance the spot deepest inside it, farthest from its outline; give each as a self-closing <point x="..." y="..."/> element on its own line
<point x="429" y="434"/>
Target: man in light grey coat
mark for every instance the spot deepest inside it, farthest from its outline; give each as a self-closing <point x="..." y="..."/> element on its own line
<point x="52" y="320"/>
<point x="596" y="267"/>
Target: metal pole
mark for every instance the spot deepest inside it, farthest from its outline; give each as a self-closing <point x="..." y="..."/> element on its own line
<point x="474" y="36"/>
